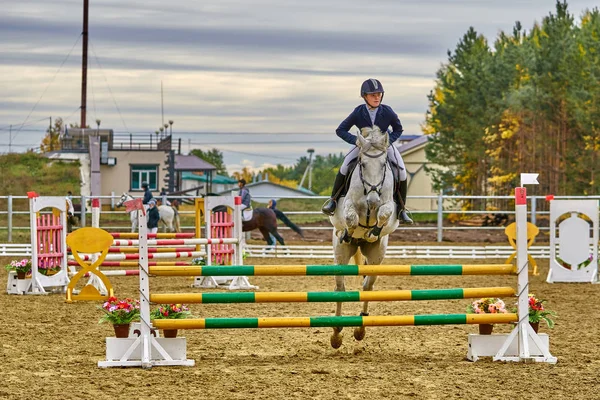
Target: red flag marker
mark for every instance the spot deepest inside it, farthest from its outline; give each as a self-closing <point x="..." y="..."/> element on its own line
<point x="135" y="204"/>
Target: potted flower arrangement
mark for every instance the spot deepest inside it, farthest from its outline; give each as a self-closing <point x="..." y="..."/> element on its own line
<point x="170" y="311"/>
<point x="199" y="261"/>
<point x="539" y="312"/>
<point x="487" y="305"/>
<point x="21" y="267"/>
<point x="120" y="313"/>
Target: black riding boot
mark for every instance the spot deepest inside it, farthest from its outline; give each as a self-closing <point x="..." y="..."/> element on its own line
<point x="338" y="186"/>
<point x="402" y="215"/>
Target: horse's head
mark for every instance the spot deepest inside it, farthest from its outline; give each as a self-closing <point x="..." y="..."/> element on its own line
<point x="372" y="140"/>
<point x="123" y="199"/>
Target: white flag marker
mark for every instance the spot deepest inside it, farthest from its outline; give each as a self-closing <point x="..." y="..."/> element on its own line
<point x="529" y="179"/>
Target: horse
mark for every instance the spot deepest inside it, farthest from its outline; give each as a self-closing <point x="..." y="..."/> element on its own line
<point x="169" y="216"/>
<point x="265" y="220"/>
<point x="365" y="216"/>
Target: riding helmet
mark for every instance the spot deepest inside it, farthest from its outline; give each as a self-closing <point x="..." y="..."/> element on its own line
<point x="371" y="86"/>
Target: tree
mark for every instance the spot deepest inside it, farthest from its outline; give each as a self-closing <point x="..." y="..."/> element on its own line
<point x="214" y="157"/>
<point x="244" y="174"/>
<point x="51" y="142"/>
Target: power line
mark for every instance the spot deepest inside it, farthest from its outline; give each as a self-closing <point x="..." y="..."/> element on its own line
<point x="109" y="88"/>
<point x="50" y="83"/>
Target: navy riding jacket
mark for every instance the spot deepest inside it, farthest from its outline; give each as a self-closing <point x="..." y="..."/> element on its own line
<point x="147" y="196"/>
<point x="360" y="118"/>
<point x="245" y="195"/>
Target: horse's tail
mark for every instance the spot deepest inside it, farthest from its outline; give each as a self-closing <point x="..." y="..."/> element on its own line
<point x="281" y="216"/>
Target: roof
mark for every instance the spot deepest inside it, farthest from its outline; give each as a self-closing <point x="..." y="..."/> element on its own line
<point x="420" y="140"/>
<point x="216" y="179"/>
<point x="301" y="190"/>
<point x="192" y="163"/>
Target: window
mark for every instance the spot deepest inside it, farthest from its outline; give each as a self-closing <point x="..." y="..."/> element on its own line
<point x="144" y="173"/>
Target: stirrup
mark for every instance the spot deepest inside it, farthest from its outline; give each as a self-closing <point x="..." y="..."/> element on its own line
<point x="404" y="218"/>
<point x="329" y="207"/>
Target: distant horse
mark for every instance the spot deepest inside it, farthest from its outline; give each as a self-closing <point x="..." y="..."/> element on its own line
<point x="365" y="216"/>
<point x="265" y="220"/>
<point x="169" y="216"/>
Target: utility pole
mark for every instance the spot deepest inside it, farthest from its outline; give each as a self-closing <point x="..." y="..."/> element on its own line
<point x="84" y="64"/>
<point x="308" y="170"/>
<point x="9" y="138"/>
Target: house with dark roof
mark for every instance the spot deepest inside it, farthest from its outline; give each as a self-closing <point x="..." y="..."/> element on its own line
<point x="419" y="182"/>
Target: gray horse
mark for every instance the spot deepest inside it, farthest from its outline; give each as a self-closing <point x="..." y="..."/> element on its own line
<point x="169" y="216"/>
<point x="365" y="216"/>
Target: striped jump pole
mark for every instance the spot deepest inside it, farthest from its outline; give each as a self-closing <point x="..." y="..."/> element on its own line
<point x="151" y="249"/>
<point x="133" y="235"/>
<point x="135" y="263"/>
<point x="335" y="321"/>
<point x="136" y="256"/>
<point x="315" y="297"/>
<point x="177" y="242"/>
<point x="124" y="272"/>
<point x="330" y="270"/>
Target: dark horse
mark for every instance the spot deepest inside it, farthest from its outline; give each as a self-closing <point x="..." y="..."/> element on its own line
<point x="265" y="220"/>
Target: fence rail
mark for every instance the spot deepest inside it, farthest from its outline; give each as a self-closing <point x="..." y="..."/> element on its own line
<point x="445" y="204"/>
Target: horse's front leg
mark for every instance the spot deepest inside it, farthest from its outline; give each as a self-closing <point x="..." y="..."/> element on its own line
<point x="384" y="213"/>
<point x="336" y="337"/>
<point x="351" y="217"/>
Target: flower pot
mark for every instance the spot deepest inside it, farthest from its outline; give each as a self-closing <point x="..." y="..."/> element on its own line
<point x="21" y="274"/>
<point x="535" y="326"/>
<point x="121" y="330"/>
<point x="486" y="329"/>
<point x="170" y="333"/>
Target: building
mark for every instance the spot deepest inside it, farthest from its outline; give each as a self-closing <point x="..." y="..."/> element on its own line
<point x="263" y="191"/>
<point x="419" y="182"/>
<point x="116" y="163"/>
<point x="220" y="183"/>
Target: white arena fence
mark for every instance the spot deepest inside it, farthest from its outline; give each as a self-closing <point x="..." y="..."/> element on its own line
<point x="440" y="206"/>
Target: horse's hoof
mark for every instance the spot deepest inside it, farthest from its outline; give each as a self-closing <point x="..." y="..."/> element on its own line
<point x="336" y="340"/>
<point x="359" y="333"/>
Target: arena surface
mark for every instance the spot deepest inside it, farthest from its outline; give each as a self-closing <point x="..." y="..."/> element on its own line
<point x="51" y="349"/>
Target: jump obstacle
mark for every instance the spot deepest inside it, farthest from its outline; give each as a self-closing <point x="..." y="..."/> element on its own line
<point x="573" y="241"/>
<point x="48" y="222"/>
<point x="522" y="344"/>
<point x="222" y="245"/>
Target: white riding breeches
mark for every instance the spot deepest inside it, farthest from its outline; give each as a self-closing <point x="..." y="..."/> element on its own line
<point x="392" y="153"/>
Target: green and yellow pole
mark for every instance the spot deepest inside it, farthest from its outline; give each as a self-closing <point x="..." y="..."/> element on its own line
<point x="310" y="297"/>
<point x="325" y="270"/>
<point x="334" y="321"/>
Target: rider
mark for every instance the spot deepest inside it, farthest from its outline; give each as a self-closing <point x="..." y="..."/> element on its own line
<point x="367" y="115"/>
<point x="244" y="194"/>
<point x="147" y="194"/>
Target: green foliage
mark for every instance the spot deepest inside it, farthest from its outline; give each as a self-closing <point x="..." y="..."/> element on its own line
<point x="324" y="169"/>
<point x="51" y="141"/>
<point x="23" y="172"/>
<point x="528" y="104"/>
<point x="214" y="157"/>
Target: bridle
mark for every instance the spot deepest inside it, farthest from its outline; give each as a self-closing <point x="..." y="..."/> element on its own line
<point x="369" y="187"/>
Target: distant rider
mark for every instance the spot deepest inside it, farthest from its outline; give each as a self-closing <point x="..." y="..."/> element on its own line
<point x="244" y="194"/>
<point x="147" y="194"/>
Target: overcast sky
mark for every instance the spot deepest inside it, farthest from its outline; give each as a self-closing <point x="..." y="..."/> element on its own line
<point x="262" y="81"/>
